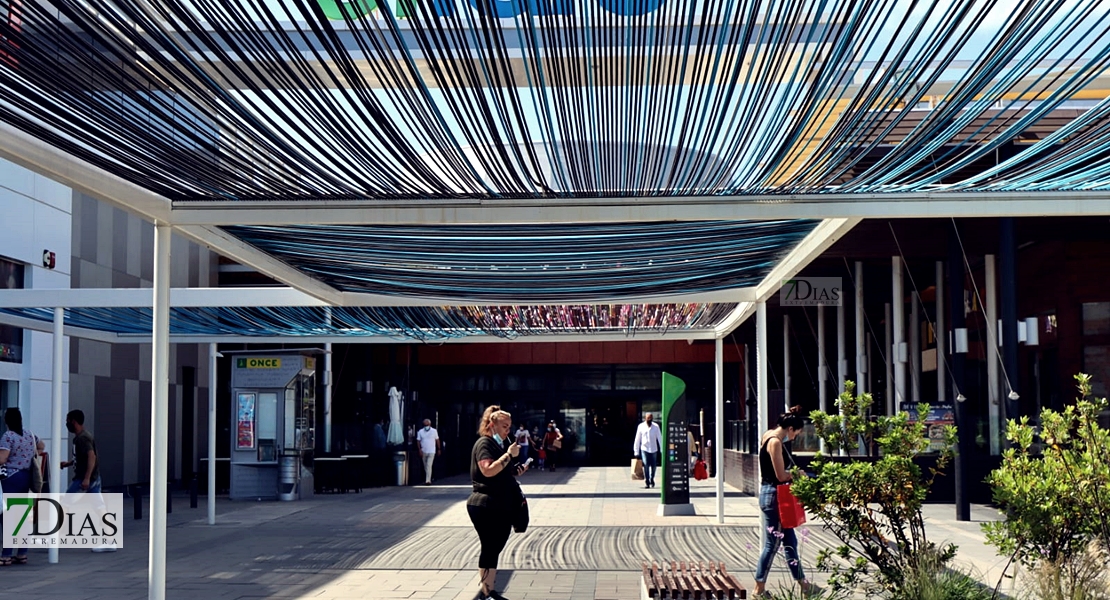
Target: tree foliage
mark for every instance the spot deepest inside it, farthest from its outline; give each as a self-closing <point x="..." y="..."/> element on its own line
<point x="873" y="505"/>
<point x="1054" y="487"/>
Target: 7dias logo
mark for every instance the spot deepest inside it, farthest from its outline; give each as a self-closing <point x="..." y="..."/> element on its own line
<point x="63" y="520"/>
<point x="811" y="291"/>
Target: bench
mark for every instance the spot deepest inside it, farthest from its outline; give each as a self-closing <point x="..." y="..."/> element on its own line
<point x="681" y="579"/>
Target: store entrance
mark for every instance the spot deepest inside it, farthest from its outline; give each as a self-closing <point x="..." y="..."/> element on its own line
<point x="611" y="426"/>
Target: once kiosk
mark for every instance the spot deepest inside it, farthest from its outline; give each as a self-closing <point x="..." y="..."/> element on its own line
<point x="273" y="408"/>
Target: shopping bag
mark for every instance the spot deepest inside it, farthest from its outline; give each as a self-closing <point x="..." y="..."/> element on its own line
<point x="700" y="472"/>
<point x="637" y="469"/>
<point x="791" y="512"/>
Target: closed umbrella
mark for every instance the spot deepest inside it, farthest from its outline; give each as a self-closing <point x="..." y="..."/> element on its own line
<point x="396" y="436"/>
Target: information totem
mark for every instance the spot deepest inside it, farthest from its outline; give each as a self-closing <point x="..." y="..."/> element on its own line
<point x="676" y="450"/>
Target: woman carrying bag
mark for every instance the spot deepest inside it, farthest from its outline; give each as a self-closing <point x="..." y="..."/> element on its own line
<point x="774" y="460"/>
<point x="495" y="504"/>
<point x="17" y="455"/>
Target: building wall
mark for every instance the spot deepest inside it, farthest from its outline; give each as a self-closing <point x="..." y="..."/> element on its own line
<point x="111" y="382"/>
<point x="36" y="217"/>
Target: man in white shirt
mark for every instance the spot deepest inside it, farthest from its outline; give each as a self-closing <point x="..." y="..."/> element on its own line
<point x="647" y="446"/>
<point x="524" y="440"/>
<point x="428" y="440"/>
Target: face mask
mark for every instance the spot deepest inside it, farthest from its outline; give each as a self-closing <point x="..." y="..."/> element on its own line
<point x="497" y="438"/>
<point x="551" y="429"/>
<point x="427" y="428"/>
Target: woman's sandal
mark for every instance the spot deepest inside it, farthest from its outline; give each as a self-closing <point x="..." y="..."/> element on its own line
<point x="6" y="561"/>
<point x="19" y="560"/>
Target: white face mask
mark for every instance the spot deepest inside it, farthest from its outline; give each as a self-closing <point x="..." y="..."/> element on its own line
<point x="427" y="428"/>
<point x="497" y="437"/>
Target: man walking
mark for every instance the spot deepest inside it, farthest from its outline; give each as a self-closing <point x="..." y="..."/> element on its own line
<point x="86" y="472"/>
<point x="647" y="446"/>
<point x="428" y="440"/>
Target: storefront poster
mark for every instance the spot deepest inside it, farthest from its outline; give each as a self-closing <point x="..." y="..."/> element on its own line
<point x="938" y="417"/>
<point x="244" y="422"/>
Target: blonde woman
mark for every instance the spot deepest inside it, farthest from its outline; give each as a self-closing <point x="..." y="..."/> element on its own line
<point x="495" y="500"/>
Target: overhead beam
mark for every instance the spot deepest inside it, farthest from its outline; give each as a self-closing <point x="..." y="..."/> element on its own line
<point x="283" y="296"/>
<point x="228" y="245"/>
<point x="34" y="154"/>
<point x="827" y="233"/>
<point x="614" y="210"/>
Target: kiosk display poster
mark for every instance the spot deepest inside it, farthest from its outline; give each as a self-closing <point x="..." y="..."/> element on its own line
<point x="244" y="422"/>
<point x="676" y="450"/>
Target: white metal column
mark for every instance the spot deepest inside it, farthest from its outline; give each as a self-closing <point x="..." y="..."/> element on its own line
<point x="786" y="360"/>
<point x="898" y="328"/>
<point x="914" y="349"/>
<point x="328" y="392"/>
<point x="761" y="366"/>
<point x="719" y="428"/>
<point x="940" y="330"/>
<point x="57" y="483"/>
<point x="212" y="352"/>
<point x="889" y="341"/>
<point x="991" y="354"/>
<point x="822" y="369"/>
<point x="841" y="352"/>
<point x="159" y="413"/>
<point x="861" y="352"/>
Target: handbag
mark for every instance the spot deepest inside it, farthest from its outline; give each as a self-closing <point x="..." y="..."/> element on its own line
<point x="36" y="473"/>
<point x="520" y="522"/>
<point x="791" y="512"/>
<point x="557" y="443"/>
<point x="637" y="469"/>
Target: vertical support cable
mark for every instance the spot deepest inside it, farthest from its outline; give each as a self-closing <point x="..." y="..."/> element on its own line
<point x="159" y="413"/>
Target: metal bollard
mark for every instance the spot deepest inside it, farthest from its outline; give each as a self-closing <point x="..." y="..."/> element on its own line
<point x="193" y="492"/>
<point x="137" y="496"/>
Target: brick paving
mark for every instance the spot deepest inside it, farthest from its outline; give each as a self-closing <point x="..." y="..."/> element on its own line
<point x="590" y="528"/>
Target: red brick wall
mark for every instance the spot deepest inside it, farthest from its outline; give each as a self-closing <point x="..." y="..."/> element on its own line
<point x="574" y="353"/>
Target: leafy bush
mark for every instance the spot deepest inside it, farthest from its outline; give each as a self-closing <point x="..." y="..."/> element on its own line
<point x="930" y="580"/>
<point x="873" y="505"/>
<point x="1058" y="503"/>
<point x="1082" y="577"/>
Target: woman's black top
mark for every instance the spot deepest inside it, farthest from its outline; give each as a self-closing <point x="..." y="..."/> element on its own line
<point x="501" y="490"/>
<point x="767" y="466"/>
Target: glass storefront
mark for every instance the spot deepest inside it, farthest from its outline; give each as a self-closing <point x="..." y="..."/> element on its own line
<point x="11" y="338"/>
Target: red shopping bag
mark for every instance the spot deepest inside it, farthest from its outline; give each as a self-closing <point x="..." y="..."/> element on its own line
<point x="791" y="512"/>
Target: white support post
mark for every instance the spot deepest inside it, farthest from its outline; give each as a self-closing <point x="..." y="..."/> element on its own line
<point x="889" y="341"/>
<point x="841" y="361"/>
<point x="159" y="413"/>
<point x="761" y="366"/>
<point x="899" y="330"/>
<point x="327" y="392"/>
<point x="940" y="329"/>
<point x="822" y="369"/>
<point x="915" y="348"/>
<point x="57" y="484"/>
<point x="212" y="352"/>
<point x="719" y="427"/>
<point x="861" y="353"/>
<point x="991" y="313"/>
<point x="786" y="360"/>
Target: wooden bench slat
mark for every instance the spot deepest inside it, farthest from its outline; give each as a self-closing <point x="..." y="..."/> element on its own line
<point x="690" y="579"/>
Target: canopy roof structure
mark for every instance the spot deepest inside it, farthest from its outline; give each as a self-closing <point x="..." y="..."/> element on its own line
<point x="491" y="169"/>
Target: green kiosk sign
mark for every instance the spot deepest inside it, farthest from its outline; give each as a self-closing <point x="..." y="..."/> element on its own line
<point x="676" y="450"/>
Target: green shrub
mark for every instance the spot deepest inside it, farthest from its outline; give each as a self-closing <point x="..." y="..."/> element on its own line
<point x="1057" y="503"/>
<point x="873" y="506"/>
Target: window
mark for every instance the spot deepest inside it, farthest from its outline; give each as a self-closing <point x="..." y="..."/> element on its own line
<point x="11" y="338"/>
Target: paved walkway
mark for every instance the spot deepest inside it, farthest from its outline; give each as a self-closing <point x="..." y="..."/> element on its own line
<point x="590" y="528"/>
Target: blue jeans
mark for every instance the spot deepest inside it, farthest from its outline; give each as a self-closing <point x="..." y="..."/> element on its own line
<point x="773" y="535"/>
<point x="649" y="466"/>
<point x="75" y="487"/>
<point x="16" y="483"/>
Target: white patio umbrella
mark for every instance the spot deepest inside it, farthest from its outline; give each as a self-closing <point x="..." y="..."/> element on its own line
<point x="395" y="436"/>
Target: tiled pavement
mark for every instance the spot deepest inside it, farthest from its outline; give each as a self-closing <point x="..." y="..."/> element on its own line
<point x="590" y="528"/>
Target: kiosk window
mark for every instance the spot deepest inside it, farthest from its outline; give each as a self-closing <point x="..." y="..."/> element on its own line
<point x="290" y="418"/>
<point x="267" y="426"/>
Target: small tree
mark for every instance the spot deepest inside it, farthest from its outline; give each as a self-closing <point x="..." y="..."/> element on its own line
<point x="1057" y="504"/>
<point x="873" y="505"/>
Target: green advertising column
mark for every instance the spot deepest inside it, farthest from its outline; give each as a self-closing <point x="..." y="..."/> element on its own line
<point x="676" y="450"/>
